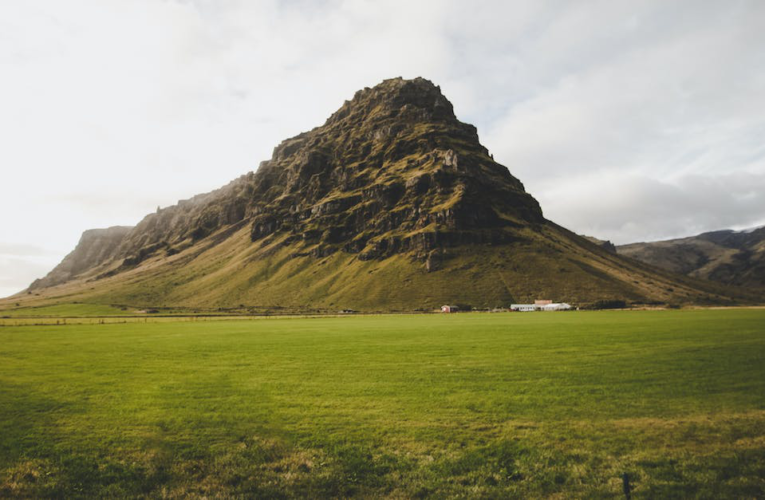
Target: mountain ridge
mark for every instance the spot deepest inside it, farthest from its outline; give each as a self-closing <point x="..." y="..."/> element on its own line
<point x="726" y="256"/>
<point x="392" y="203"/>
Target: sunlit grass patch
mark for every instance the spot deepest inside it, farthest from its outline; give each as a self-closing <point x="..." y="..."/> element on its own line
<point x="473" y="405"/>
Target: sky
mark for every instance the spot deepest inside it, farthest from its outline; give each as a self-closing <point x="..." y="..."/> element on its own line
<point x="627" y="120"/>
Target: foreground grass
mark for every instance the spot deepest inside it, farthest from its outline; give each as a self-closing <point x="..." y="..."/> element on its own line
<point x="474" y="405"/>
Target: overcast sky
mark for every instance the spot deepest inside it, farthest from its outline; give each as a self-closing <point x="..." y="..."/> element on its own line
<point x="628" y="120"/>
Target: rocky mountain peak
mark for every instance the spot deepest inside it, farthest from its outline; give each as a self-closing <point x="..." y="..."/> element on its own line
<point x="392" y="171"/>
<point x="391" y="166"/>
<point x="408" y="100"/>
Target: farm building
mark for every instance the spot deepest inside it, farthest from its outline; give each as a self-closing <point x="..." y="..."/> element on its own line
<point x="548" y="306"/>
<point x="542" y="302"/>
<point x="523" y="307"/>
<point x="449" y="309"/>
<point x="555" y="307"/>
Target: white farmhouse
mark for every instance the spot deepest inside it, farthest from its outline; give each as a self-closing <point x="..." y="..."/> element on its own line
<point x="556" y="307"/>
<point x="549" y="306"/>
<point x="523" y="307"/>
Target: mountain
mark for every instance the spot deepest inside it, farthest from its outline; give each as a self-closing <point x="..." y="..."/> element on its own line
<point x="392" y="204"/>
<point x="730" y="257"/>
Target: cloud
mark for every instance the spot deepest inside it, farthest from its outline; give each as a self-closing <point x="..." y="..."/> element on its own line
<point x="24" y="249"/>
<point x="22" y="263"/>
<point x="111" y="108"/>
<point x="661" y="102"/>
<point x="622" y="206"/>
<point x="19" y="271"/>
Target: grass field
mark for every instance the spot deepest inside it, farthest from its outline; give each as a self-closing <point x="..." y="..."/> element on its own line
<point x="470" y="405"/>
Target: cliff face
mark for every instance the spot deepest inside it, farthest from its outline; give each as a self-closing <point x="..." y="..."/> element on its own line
<point x="392" y="171"/>
<point x="96" y="246"/>
<point x="730" y="257"/>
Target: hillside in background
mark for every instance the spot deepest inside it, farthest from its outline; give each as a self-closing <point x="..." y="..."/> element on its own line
<point x="392" y="204"/>
<point x="730" y="257"/>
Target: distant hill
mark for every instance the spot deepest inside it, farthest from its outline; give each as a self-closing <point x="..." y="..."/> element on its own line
<point x="392" y="204"/>
<point x="730" y="257"/>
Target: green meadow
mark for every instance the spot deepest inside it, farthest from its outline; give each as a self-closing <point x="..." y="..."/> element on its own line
<point x="404" y="406"/>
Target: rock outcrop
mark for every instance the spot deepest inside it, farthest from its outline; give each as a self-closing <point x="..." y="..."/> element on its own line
<point x="604" y="244"/>
<point x="96" y="246"/>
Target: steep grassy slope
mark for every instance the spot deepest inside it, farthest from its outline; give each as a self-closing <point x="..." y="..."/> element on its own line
<point x="392" y="204"/>
<point x="267" y="276"/>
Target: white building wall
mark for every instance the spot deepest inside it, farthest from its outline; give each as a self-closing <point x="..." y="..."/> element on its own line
<point x="556" y="307"/>
<point x="536" y="307"/>
<point x="523" y="307"/>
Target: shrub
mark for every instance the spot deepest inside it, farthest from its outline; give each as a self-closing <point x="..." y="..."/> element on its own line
<point x="609" y="304"/>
